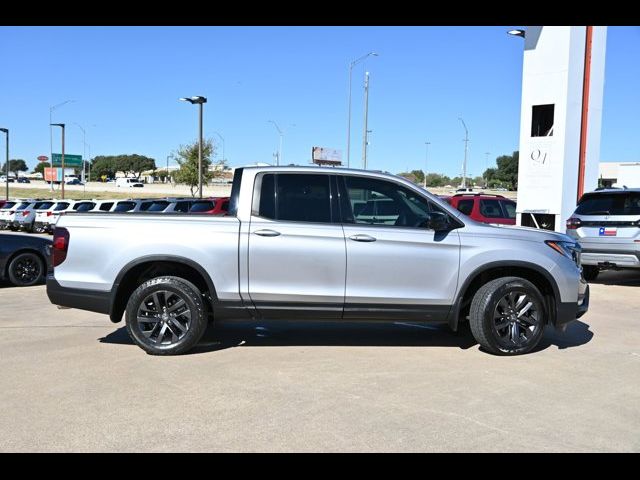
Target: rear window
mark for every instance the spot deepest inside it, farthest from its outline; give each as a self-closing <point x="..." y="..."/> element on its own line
<point x="124" y="206"/>
<point x="60" y="206"/>
<point x="8" y="205"/>
<point x="23" y="205"/>
<point x="201" y="207"/>
<point x="610" y="204"/>
<point x="465" y="206"/>
<point x="84" y="207"/>
<point x="43" y="205"/>
<point x="105" y="207"/>
<point x="144" y="206"/>
<point x="158" y="206"/>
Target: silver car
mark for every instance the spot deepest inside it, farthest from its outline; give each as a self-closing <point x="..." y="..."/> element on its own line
<point x="607" y="225"/>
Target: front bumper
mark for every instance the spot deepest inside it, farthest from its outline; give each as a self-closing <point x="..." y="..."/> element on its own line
<point x="569" y="311"/>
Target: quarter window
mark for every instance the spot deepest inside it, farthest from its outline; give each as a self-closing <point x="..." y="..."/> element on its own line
<point x="465" y="206"/>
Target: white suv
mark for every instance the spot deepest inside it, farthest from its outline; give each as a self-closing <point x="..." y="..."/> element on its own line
<point x="26" y="218"/>
<point x="45" y="220"/>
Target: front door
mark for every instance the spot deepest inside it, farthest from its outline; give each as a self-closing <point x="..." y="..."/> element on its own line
<point x="396" y="267"/>
<point x="297" y="258"/>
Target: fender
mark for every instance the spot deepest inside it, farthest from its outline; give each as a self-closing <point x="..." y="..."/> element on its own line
<point x="454" y="313"/>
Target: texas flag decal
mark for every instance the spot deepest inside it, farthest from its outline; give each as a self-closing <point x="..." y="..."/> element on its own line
<point x="608" y="232"/>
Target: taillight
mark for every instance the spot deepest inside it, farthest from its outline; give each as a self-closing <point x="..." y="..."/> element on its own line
<point x="25" y="213"/>
<point x="49" y="214"/>
<point x="573" y="223"/>
<point x="60" y="246"/>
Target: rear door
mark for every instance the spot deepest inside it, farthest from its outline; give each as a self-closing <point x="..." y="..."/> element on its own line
<point x="297" y="258"/>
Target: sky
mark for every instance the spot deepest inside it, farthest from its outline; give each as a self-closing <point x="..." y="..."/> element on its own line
<point x="125" y="83"/>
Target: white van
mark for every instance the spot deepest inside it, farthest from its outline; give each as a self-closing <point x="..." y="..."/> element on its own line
<point x="129" y="182"/>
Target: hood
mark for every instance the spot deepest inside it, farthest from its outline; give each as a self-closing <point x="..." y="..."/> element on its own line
<point x="518" y="233"/>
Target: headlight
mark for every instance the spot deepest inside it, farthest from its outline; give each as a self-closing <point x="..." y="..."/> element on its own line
<point x="570" y="250"/>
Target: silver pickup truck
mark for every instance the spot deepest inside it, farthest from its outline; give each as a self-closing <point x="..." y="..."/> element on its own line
<point x="301" y="242"/>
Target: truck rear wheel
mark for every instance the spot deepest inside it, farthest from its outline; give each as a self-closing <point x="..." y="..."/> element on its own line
<point x="507" y="316"/>
<point x="166" y="316"/>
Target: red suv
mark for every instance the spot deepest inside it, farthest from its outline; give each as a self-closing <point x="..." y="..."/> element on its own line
<point x="212" y="205"/>
<point x="485" y="208"/>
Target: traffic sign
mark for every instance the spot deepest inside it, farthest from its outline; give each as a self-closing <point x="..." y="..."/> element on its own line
<point x="43" y="158"/>
<point x="69" y="160"/>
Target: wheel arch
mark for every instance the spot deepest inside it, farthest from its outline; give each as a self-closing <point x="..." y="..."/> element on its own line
<point x="149" y="266"/>
<point x="537" y="275"/>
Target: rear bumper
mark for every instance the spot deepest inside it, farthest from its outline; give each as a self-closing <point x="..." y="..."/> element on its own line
<point x="613" y="258"/>
<point x="91" y="300"/>
<point x="568" y="311"/>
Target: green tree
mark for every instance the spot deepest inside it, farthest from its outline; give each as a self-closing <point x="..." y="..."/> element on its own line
<point x="507" y="170"/>
<point x="15" y="166"/>
<point x="103" y="166"/>
<point x="409" y="176"/>
<point x="187" y="158"/>
<point x="478" y="181"/>
<point x="419" y="174"/>
<point x="40" y="167"/>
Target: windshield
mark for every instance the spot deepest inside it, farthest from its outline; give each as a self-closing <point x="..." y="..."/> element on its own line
<point x="124" y="206"/>
<point x="610" y="204"/>
<point x="158" y="206"/>
<point x="201" y="207"/>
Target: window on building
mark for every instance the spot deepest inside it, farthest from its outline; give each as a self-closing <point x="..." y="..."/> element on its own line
<point x="542" y="121"/>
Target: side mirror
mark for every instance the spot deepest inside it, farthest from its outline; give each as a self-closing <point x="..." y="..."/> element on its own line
<point x="438" y="222"/>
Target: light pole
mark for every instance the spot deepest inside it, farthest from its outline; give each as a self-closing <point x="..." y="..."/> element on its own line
<point x="61" y="125"/>
<point x="466" y="146"/>
<point x="281" y="134"/>
<point x="221" y="138"/>
<point x="426" y="161"/>
<point x="51" y="109"/>
<point x="199" y="100"/>
<point x="486" y="166"/>
<point x="6" y="133"/>
<point x="365" y="132"/>
<point x="89" y="163"/>
<point x="351" y="65"/>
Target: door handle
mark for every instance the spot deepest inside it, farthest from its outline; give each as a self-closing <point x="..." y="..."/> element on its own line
<point x="267" y="233"/>
<point x="362" y="238"/>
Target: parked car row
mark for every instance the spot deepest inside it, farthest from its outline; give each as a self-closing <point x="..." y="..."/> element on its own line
<point x="40" y="216"/>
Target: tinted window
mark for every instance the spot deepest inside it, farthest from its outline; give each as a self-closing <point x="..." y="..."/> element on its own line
<point x="490" y="209"/>
<point x="509" y="209"/>
<point x="268" y="197"/>
<point x="60" y="206"/>
<point x="378" y="202"/>
<point x="144" y="206"/>
<point x="105" y="207"/>
<point x="124" y="206"/>
<point x="23" y="205"/>
<point x="201" y="207"/>
<point x="182" y="206"/>
<point x="303" y="198"/>
<point x="43" y="205"/>
<point x="610" y="204"/>
<point x="225" y="206"/>
<point x="83" y="207"/>
<point x="465" y="206"/>
<point x="158" y="206"/>
<point x="8" y="205"/>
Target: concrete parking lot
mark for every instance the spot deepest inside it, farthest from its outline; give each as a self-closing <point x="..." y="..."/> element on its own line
<point x="73" y="381"/>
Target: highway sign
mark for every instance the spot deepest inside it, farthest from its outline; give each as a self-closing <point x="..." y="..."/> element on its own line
<point x="69" y="160"/>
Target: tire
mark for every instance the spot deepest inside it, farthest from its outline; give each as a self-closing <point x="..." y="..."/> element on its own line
<point x="167" y="331"/>
<point x="501" y="319"/>
<point x="26" y="270"/>
<point x="590" y="272"/>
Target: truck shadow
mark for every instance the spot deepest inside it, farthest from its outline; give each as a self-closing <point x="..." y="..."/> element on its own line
<point x="309" y="333"/>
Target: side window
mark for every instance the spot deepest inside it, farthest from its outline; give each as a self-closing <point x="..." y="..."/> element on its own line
<point x="296" y="197"/>
<point x="182" y="207"/>
<point x="490" y="209"/>
<point x="466" y="206"/>
<point x="509" y="209"/>
<point x="378" y="202"/>
<point x="144" y="206"/>
<point x="105" y="207"/>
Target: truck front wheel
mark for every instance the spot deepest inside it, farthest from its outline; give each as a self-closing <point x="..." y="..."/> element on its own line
<point x="507" y="316"/>
<point x="166" y="316"/>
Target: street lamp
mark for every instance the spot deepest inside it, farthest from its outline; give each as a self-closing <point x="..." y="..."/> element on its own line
<point x="517" y="33"/>
<point x="351" y="65"/>
<point x="221" y="138"/>
<point x="61" y="125"/>
<point x="426" y="160"/>
<point x="6" y="132"/>
<point x="84" y="146"/>
<point x="199" y="101"/>
<point x="466" y="145"/>
<point x="281" y="134"/>
<point x="51" y="109"/>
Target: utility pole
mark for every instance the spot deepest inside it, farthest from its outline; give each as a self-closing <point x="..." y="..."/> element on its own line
<point x="351" y="65"/>
<point x="426" y="160"/>
<point x="466" y="147"/>
<point x="61" y="125"/>
<point x="6" y="132"/>
<point x="486" y="166"/>
<point x="365" y="132"/>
